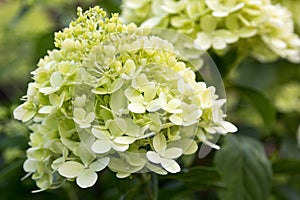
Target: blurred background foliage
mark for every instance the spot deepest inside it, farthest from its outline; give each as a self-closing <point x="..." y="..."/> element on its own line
<point x="261" y="161"/>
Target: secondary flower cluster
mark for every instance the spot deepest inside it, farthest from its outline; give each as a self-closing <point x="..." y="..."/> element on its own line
<point x="113" y="95"/>
<point x="266" y="30"/>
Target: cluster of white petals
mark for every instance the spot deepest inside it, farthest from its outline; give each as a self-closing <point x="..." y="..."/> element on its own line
<point x="266" y="30"/>
<point x="113" y="95"/>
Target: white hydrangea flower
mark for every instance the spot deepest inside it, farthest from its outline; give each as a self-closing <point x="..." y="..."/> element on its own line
<point x="86" y="176"/>
<point x="116" y="96"/>
<point x="259" y="25"/>
<point x="221" y="8"/>
<point x="163" y="155"/>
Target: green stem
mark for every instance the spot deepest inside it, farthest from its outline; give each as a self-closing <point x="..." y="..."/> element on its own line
<point x="71" y="192"/>
<point x="235" y="65"/>
<point x="151" y="185"/>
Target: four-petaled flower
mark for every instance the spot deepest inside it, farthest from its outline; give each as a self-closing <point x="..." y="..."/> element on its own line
<point x="86" y="176"/>
<point x="163" y="155"/>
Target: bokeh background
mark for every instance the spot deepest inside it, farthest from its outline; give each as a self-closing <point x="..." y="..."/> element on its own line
<point x="263" y="101"/>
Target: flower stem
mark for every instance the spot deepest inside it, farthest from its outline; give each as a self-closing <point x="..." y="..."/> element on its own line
<point x="151" y="185"/>
<point x="71" y="192"/>
<point x="234" y="66"/>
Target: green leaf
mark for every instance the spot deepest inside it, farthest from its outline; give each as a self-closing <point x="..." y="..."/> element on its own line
<point x="286" y="166"/>
<point x="198" y="176"/>
<point x="245" y="169"/>
<point x="10" y="169"/>
<point x="186" y="183"/>
<point x="260" y="102"/>
<point x="112" y="6"/>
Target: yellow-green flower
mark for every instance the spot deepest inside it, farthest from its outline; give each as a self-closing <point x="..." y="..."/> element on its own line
<point x="266" y="29"/>
<point x="113" y="95"/>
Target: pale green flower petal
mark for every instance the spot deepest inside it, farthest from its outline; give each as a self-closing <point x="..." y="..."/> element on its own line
<point x="56" y="100"/>
<point x="67" y="68"/>
<point x="46" y="109"/>
<point x="82" y="118"/>
<point x="118" y="102"/>
<point x="223" y="9"/>
<point x="87" y="178"/>
<point x="176" y="119"/>
<point x="134" y="159"/>
<point x="84" y="153"/>
<point x="121" y="123"/>
<point x="99" y="164"/>
<point x="30" y="165"/>
<point x="229" y="127"/>
<point x="170" y="165"/>
<point x="80" y="101"/>
<point x="23" y="114"/>
<point x="101" y="146"/>
<point x="90" y="117"/>
<point x="48" y="90"/>
<point x="149" y="90"/>
<point x="120" y="147"/>
<point x="136" y="107"/>
<point x="173" y="7"/>
<point x="218" y="43"/>
<point x="122" y="167"/>
<point x="79" y="113"/>
<point x="129" y="66"/>
<point x="124" y="140"/>
<point x="172" y="153"/>
<point x="191" y="114"/>
<point x="173" y="105"/>
<point x="208" y="24"/>
<point x="153" y="21"/>
<point x="247" y="32"/>
<point x="180" y="21"/>
<point x="159" y="143"/>
<point x="189" y="147"/>
<point x="122" y="174"/>
<point x="155" y="105"/>
<point x="133" y="95"/>
<point x="203" y="41"/>
<point x="56" y="80"/>
<point x="157" y="169"/>
<point x="220" y="13"/>
<point x="153" y="157"/>
<point x="117" y="84"/>
<point x="135" y="3"/>
<point x="114" y="129"/>
<point x="71" y="169"/>
<point x="100" y="134"/>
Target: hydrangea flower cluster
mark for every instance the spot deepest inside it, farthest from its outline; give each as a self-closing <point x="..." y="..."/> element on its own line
<point x="266" y="30"/>
<point x="113" y="95"/>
